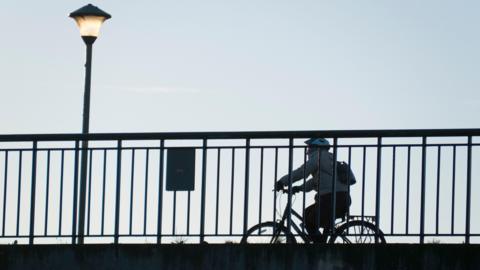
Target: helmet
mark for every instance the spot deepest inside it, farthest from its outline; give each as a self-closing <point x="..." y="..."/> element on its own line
<point x="319" y="142"/>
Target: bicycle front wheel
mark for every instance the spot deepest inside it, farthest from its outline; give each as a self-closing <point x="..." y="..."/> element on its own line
<point x="268" y="233"/>
<point x="357" y="232"/>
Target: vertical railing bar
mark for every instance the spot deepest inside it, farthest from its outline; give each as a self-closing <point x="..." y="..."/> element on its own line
<point x="290" y="169"/>
<point x="47" y="191"/>
<point x="247" y="178"/>
<point x="204" y="183"/>
<point x="392" y="211"/>
<point x="437" y="211"/>
<point x="60" y="210"/>
<point x="348" y="185"/>
<point x="422" y="194"/>
<point x="364" y="167"/>
<point x="348" y="178"/>
<point x="5" y="186"/>
<point x="453" y="188"/>
<point x="261" y="187"/>
<point x="33" y="192"/>
<point x="83" y="191"/>
<point x="174" y="211"/>
<point x="469" y="191"/>
<point x="318" y="152"/>
<point x="147" y="157"/>
<point x="117" y="192"/>
<point x="104" y="179"/>
<point x="188" y="211"/>
<point x="217" y="203"/>
<point x="334" y="186"/>
<point x="409" y="151"/>
<point x="160" y="193"/>
<point x="75" y="194"/>
<point x="132" y="187"/>
<point x="275" y="179"/>
<point x="20" y="161"/>
<point x="378" y="188"/>
<point x="304" y="181"/>
<point x="89" y="199"/>
<point x="231" y="190"/>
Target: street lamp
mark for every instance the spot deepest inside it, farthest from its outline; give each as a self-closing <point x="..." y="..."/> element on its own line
<point x="89" y="20"/>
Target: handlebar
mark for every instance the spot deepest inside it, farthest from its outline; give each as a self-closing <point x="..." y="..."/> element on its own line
<point x="284" y="190"/>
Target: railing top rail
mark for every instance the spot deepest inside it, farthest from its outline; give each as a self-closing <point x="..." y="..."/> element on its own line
<point x="244" y="135"/>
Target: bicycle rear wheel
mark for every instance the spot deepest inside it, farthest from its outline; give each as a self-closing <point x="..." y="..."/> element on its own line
<point x="357" y="232"/>
<point x="268" y="233"/>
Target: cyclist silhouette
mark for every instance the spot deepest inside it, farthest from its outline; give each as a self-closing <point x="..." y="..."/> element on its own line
<point x="319" y="165"/>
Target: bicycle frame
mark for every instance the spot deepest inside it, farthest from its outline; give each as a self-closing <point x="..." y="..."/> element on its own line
<point x="300" y="232"/>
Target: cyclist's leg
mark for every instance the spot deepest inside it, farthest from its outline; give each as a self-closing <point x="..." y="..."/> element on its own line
<point x="342" y="202"/>
<point x="311" y="223"/>
<point x="325" y="215"/>
<point x="319" y="215"/>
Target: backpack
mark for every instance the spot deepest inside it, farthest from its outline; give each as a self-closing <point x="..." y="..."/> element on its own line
<point x="345" y="174"/>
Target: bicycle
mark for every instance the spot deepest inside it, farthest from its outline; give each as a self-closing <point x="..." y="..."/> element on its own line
<point x="364" y="231"/>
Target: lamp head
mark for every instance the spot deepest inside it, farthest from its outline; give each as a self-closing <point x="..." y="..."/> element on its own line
<point x="89" y="20"/>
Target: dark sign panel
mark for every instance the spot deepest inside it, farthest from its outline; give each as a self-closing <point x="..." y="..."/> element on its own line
<point x="181" y="169"/>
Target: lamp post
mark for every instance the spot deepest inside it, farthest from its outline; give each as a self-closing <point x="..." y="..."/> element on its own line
<point x="89" y="20"/>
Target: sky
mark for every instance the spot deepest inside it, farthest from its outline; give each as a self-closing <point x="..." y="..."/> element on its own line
<point x="167" y="66"/>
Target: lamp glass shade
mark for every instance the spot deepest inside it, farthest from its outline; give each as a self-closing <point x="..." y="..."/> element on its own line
<point x="89" y="20"/>
<point x="89" y="25"/>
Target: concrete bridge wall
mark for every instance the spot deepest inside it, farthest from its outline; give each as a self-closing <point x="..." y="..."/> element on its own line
<point x="234" y="256"/>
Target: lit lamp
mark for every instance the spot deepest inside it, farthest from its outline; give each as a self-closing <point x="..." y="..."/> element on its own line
<point x="89" y="20"/>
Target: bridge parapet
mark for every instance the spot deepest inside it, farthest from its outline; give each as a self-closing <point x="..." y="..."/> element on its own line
<point x="416" y="184"/>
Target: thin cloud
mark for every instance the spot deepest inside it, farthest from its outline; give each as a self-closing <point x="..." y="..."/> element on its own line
<point x="165" y="90"/>
<point x="156" y="89"/>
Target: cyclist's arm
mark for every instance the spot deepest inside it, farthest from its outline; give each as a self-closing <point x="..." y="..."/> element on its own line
<point x="306" y="169"/>
<point x="309" y="185"/>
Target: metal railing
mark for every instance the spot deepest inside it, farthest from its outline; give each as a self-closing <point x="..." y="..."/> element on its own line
<point x="417" y="184"/>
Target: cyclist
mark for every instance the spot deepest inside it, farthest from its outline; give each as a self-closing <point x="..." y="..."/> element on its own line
<point x="320" y="166"/>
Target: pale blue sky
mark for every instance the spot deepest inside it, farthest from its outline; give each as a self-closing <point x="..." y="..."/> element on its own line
<point x="244" y="65"/>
